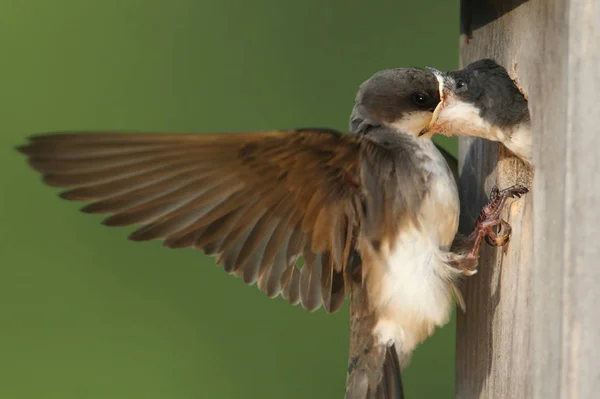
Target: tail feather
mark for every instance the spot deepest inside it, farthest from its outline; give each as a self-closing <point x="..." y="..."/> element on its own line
<point x="374" y="369"/>
<point x="357" y="386"/>
<point x="385" y="372"/>
<point x="390" y="386"/>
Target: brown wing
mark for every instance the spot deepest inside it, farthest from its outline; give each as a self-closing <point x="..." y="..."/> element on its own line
<point x="257" y="201"/>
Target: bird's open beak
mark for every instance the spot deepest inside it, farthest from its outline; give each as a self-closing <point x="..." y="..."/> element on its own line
<point x="441" y="77"/>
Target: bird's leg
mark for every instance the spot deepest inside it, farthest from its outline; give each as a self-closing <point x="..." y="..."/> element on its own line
<point x="484" y="226"/>
<point x="489" y="217"/>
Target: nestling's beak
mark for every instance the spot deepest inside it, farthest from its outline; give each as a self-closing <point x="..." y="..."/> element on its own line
<point x="442" y="79"/>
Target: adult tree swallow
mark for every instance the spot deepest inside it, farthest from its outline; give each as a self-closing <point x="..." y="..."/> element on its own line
<point x="373" y="213"/>
<point x="482" y="100"/>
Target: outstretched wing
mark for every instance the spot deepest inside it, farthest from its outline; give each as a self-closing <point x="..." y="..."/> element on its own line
<point x="257" y="201"/>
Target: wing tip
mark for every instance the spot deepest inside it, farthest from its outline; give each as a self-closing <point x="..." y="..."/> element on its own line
<point x="116" y="221"/>
<point x="24" y="149"/>
<point x="140" y="235"/>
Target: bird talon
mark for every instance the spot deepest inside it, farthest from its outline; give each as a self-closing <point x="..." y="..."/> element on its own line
<point x="496" y="239"/>
<point x="490" y="218"/>
<point x="517" y="191"/>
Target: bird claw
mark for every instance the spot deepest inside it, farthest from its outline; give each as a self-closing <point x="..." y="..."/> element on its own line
<point x="495" y="205"/>
<point x="496" y="239"/>
<point x="517" y="191"/>
<point x="490" y="218"/>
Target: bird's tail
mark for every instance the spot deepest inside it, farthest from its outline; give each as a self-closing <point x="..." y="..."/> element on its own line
<point x="374" y="369"/>
<point x="390" y="386"/>
<point x="360" y="374"/>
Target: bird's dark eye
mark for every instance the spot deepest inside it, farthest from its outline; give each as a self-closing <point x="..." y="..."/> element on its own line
<point x="460" y="84"/>
<point x="420" y="98"/>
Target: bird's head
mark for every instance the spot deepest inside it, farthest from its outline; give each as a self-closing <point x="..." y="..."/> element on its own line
<point x="402" y="99"/>
<point x="477" y="99"/>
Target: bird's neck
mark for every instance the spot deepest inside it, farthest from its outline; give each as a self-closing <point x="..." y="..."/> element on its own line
<point x="463" y="119"/>
<point x="518" y="139"/>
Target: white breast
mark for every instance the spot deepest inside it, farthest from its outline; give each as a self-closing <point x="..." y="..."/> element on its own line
<point x="460" y="118"/>
<point x="416" y="294"/>
<point x="519" y="141"/>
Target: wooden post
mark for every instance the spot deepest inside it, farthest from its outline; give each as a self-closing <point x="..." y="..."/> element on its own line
<point x="532" y="326"/>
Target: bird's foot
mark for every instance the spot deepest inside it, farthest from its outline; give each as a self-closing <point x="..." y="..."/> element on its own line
<point x="490" y="218"/>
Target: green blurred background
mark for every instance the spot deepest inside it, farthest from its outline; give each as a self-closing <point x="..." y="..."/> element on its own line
<point x="86" y="314"/>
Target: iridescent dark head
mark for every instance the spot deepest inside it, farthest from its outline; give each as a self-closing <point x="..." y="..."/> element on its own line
<point x="482" y="100"/>
<point x="487" y="86"/>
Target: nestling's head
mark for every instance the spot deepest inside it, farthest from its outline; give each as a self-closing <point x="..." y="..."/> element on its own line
<point x="403" y="99"/>
<point x="479" y="97"/>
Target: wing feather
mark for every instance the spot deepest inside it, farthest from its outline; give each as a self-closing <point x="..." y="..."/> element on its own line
<point x="257" y="201"/>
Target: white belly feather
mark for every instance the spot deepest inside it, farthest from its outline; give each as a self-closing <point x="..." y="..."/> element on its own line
<point x="416" y="293"/>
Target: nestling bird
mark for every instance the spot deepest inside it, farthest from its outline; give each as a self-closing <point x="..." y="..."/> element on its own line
<point x="482" y="100"/>
<point x="374" y="212"/>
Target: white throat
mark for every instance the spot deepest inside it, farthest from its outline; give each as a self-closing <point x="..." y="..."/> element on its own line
<point x="459" y="118"/>
<point x="412" y="123"/>
<point x="453" y="117"/>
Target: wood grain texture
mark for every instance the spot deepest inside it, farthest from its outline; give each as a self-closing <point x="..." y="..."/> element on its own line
<point x="532" y="327"/>
<point x="567" y="279"/>
<point x="494" y="337"/>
